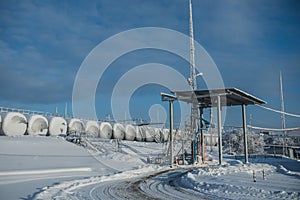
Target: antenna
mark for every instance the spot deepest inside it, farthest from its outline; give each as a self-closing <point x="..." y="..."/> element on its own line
<point x="192" y="81"/>
<point x="282" y="103"/>
<point x="282" y="113"/>
<point x="56" y="111"/>
<point x="66" y="110"/>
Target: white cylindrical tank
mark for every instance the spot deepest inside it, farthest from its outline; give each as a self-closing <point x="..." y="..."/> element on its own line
<point x="211" y="139"/>
<point x="130" y="132"/>
<point x="157" y="134"/>
<point x="37" y="125"/>
<point x="177" y="134"/>
<point x="118" y="131"/>
<point x="0" y="123"/>
<point x="75" y="126"/>
<point x="92" y="128"/>
<point x="140" y="135"/>
<point x="57" y="126"/>
<point x="13" y="124"/>
<point x="149" y="132"/>
<point x="166" y="134"/>
<point x="105" y="130"/>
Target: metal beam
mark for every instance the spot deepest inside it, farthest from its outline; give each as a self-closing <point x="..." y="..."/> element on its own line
<point x="201" y="134"/>
<point x="219" y="116"/>
<point x="245" y="133"/>
<point x="171" y="130"/>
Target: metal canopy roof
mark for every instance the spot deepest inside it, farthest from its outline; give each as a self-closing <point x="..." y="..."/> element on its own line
<point x="208" y="98"/>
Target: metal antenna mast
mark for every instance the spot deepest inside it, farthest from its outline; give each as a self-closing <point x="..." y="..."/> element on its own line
<point x="193" y="83"/>
<point x="282" y="110"/>
<point x="192" y="80"/>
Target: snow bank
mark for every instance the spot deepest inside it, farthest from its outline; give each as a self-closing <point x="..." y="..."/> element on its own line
<point x="236" y="180"/>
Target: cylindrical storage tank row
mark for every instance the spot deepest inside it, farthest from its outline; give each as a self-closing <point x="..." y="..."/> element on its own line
<point x="211" y="139"/>
<point x="57" y="126"/>
<point x="106" y="130"/>
<point x="0" y="124"/>
<point x="140" y="134"/>
<point x="166" y="134"/>
<point x="157" y="134"/>
<point x="75" y="126"/>
<point x="13" y="124"/>
<point x="118" y="131"/>
<point x="92" y="128"/>
<point x="149" y="134"/>
<point x="130" y="132"/>
<point x="37" y="125"/>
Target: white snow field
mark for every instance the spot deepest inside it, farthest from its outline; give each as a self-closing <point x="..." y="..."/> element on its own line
<point x="36" y="167"/>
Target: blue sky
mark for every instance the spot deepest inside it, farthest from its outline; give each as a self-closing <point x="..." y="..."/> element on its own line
<point x="43" y="43"/>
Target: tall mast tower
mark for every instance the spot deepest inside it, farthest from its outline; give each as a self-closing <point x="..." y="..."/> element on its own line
<point x="193" y="83"/>
<point x="192" y="79"/>
<point x="282" y="103"/>
<point x="283" y="125"/>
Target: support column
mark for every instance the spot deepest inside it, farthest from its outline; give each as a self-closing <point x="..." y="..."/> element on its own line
<point x="245" y="133"/>
<point x="171" y="130"/>
<point x="219" y="116"/>
<point x="202" y="134"/>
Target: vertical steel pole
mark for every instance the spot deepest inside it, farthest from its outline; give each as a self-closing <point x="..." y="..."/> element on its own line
<point x="171" y="129"/>
<point x="219" y="116"/>
<point x="202" y="134"/>
<point x="245" y="133"/>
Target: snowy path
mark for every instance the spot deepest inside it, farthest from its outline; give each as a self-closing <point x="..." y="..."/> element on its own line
<point x="164" y="184"/>
<point x="167" y="186"/>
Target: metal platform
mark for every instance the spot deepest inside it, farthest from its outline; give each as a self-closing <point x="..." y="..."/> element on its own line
<point x="218" y="98"/>
<point x="228" y="97"/>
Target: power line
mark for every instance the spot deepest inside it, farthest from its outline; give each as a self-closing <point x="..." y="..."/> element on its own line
<point x="273" y="129"/>
<point x="278" y="111"/>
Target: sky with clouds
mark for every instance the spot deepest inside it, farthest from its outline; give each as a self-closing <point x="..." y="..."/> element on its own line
<point x="43" y="44"/>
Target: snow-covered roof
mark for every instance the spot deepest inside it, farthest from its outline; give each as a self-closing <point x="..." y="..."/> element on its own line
<point x="229" y="97"/>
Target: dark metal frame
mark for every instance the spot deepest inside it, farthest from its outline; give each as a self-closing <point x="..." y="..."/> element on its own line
<point x="218" y="98"/>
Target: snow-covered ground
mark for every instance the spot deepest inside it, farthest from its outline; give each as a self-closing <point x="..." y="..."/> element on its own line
<point x="260" y="179"/>
<point x="35" y="167"/>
